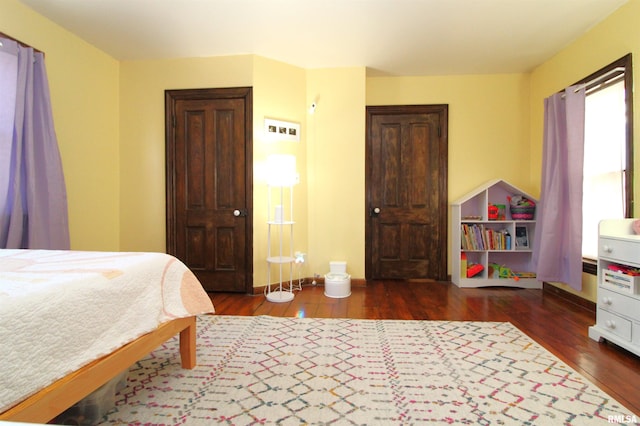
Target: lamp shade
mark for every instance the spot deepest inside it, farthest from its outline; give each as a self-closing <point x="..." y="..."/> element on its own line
<point x="281" y="170"/>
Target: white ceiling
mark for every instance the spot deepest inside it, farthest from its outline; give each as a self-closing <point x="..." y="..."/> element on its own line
<point x="393" y="37"/>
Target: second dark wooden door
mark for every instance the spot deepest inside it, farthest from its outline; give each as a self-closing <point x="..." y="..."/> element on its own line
<point x="209" y="185"/>
<point x="406" y="192"/>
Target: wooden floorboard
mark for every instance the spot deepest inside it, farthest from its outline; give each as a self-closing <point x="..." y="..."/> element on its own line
<point x="558" y="325"/>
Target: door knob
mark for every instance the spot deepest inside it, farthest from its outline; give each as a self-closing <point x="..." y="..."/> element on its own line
<point x="375" y="211"/>
<point x="239" y="212"/>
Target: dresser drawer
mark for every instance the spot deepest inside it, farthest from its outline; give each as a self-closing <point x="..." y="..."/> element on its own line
<point x="620" y="251"/>
<point x="614" y="324"/>
<point x="619" y="303"/>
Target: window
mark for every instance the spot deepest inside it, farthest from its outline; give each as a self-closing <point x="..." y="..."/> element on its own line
<point x="608" y="150"/>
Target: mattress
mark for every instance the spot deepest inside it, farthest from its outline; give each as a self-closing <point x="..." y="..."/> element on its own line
<point x="60" y="310"/>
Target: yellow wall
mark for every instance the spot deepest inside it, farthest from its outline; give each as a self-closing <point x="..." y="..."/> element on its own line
<point x="613" y="38"/>
<point x="142" y="136"/>
<point x="335" y="168"/>
<point x="279" y="93"/>
<point x="85" y="100"/>
<point x="109" y="119"/>
<point x="488" y="125"/>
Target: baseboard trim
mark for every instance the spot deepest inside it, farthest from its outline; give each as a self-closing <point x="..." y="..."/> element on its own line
<point x="569" y="297"/>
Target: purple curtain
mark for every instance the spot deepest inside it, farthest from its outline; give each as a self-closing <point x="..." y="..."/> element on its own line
<point x="558" y="235"/>
<point x="34" y="213"/>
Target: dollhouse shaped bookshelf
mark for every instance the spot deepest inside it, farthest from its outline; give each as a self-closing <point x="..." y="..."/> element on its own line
<point x="487" y="250"/>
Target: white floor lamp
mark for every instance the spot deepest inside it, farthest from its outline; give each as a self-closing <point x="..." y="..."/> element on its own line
<point x="282" y="174"/>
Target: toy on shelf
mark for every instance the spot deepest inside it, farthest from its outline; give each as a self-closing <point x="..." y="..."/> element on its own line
<point x="521" y="207"/>
<point x="508" y="273"/>
<point x="624" y="269"/>
<point x="501" y="271"/>
<point x="497" y="212"/>
<point x="474" y="269"/>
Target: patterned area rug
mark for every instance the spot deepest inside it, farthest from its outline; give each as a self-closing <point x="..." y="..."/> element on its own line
<point x="267" y="370"/>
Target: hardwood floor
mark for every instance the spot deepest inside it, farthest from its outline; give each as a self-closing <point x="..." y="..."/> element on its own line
<point x="560" y="326"/>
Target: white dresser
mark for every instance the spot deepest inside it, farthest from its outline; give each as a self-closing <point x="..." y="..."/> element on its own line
<point x="618" y="312"/>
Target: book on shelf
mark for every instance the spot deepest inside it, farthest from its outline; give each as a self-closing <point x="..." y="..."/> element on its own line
<point x="474" y="237"/>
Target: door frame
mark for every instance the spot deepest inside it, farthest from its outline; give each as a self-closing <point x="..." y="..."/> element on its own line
<point x="171" y="96"/>
<point x="442" y="220"/>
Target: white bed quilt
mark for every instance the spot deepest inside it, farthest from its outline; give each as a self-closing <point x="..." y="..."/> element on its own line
<point x="60" y="310"/>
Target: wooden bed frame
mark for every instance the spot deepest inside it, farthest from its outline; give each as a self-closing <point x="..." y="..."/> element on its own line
<point x="53" y="400"/>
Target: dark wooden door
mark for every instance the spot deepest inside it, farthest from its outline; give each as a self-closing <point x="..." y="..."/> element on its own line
<point x="406" y="192"/>
<point x="209" y="163"/>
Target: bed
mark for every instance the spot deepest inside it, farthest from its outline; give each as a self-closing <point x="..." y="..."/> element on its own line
<point x="70" y="321"/>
